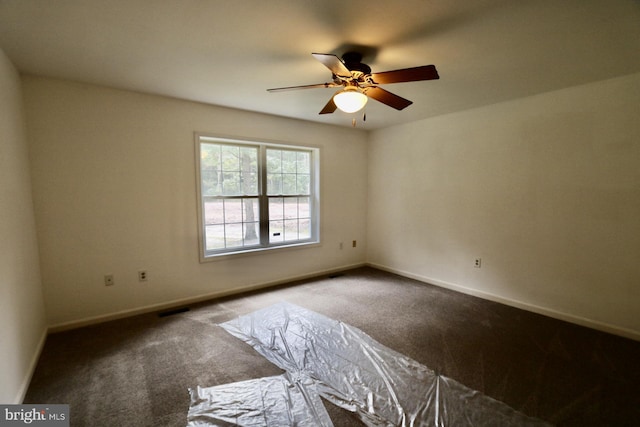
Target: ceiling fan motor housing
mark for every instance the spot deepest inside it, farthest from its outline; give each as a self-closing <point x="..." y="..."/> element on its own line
<point x="352" y="60"/>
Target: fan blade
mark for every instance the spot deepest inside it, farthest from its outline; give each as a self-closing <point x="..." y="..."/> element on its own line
<point x="280" y="89"/>
<point x="333" y="63"/>
<point x="388" y="98"/>
<point x="426" y="72"/>
<point x="329" y="108"/>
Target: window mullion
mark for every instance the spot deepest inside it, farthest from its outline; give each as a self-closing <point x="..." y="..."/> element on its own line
<point x="263" y="198"/>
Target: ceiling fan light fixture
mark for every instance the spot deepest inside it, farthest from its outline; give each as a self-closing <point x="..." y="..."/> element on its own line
<point x="350" y="100"/>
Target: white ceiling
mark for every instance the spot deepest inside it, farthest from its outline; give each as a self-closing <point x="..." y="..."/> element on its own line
<point x="228" y="52"/>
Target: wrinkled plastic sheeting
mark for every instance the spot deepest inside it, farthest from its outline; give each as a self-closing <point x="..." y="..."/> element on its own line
<point x="352" y="370"/>
<point x="263" y="402"/>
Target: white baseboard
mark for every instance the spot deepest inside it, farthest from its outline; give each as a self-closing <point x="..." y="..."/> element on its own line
<point x="22" y="392"/>
<point x="578" y="320"/>
<point x="192" y="300"/>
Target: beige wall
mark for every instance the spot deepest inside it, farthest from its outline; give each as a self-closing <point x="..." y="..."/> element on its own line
<point x="545" y="189"/>
<point x="114" y="191"/>
<point x="21" y="304"/>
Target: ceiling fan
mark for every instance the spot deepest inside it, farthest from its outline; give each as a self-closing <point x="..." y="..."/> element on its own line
<point x="358" y="83"/>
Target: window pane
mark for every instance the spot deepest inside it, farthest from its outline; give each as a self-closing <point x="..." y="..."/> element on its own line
<point x="230" y="158"/>
<point x="276" y="208"/>
<point x="233" y="211"/>
<point x="295" y="212"/>
<point x="289" y="183"/>
<point x="209" y="182"/>
<point x="249" y="157"/>
<point x="251" y="234"/>
<point x="210" y="169"/>
<point x="288" y="172"/>
<point x="290" y="230"/>
<point x="231" y="223"/>
<point x="213" y="211"/>
<point x="234" y="235"/>
<point x="274" y="184"/>
<point x="304" y="162"/>
<point x="303" y="207"/>
<point x="209" y="156"/>
<point x="304" y="229"/>
<point x="291" y="207"/>
<point x="274" y="169"/>
<point x="249" y="184"/>
<point x="251" y="224"/>
<point x="274" y="161"/>
<point x="249" y="170"/>
<point x="231" y="184"/>
<point x="289" y="161"/>
<point x="214" y="237"/>
<point x="276" y="231"/>
<point x="303" y="184"/>
<point x="251" y="211"/>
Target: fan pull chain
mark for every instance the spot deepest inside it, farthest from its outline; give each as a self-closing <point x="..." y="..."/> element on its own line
<point x="364" y="119"/>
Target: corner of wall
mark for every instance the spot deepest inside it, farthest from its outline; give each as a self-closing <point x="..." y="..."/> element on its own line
<point x="22" y="310"/>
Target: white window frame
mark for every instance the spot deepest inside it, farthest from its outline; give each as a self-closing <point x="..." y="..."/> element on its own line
<point x="263" y="197"/>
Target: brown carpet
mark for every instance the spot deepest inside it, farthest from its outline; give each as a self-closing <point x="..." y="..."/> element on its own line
<point x="136" y="371"/>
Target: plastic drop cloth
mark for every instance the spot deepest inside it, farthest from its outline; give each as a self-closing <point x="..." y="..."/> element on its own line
<point x="352" y="370"/>
<point x="264" y="402"/>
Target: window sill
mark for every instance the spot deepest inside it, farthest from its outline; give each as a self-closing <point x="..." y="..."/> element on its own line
<point x="257" y="251"/>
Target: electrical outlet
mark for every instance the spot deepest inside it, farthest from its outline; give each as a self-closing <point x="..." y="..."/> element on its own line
<point x="477" y="263"/>
<point x="108" y="280"/>
<point x="353" y="244"/>
<point x="142" y="275"/>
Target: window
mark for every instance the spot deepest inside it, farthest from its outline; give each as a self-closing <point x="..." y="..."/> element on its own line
<point x="255" y="196"/>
